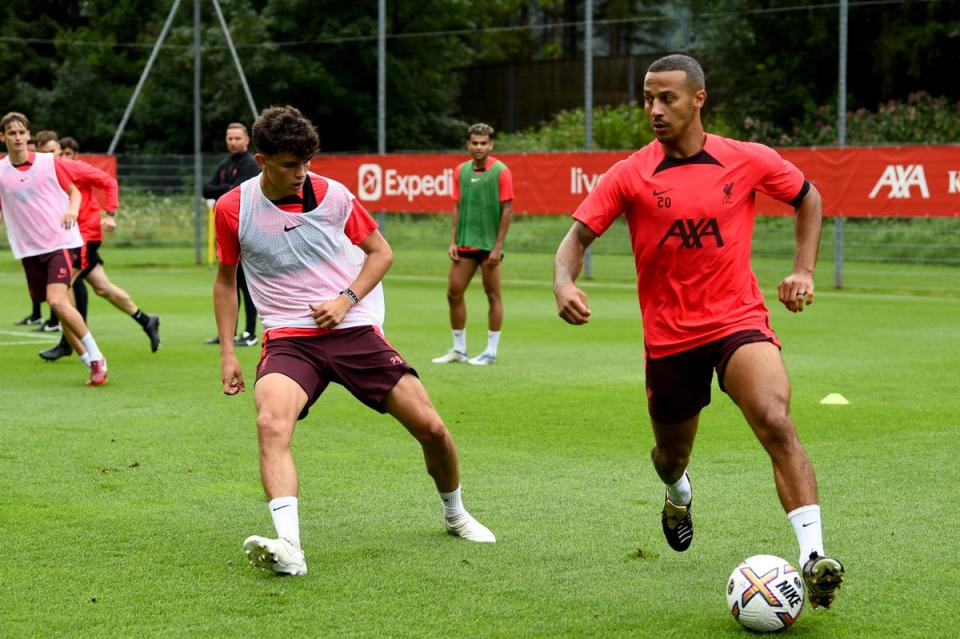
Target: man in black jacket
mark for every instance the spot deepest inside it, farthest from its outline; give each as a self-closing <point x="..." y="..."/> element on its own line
<point x="237" y="168"/>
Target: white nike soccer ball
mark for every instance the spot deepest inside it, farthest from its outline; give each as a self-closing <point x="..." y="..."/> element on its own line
<point x="765" y="593"/>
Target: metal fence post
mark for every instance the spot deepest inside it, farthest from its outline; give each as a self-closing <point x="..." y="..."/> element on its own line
<point x="588" y="106"/>
<point x="382" y="93"/>
<point x="841" y="139"/>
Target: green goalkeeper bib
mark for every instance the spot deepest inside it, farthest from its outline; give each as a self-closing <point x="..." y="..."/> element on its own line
<point x="479" y="221"/>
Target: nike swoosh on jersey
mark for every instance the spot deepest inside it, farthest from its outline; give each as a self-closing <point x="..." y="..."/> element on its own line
<point x="657" y="193"/>
<point x="290" y="228"/>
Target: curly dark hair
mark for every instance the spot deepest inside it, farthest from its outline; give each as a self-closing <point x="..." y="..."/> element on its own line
<point x="283" y="129"/>
<point x="480" y="128"/>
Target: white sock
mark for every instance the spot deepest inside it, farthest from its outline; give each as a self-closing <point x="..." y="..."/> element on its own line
<point x="493" y="341"/>
<point x="286" y="518"/>
<point x="806" y="524"/>
<point x="91" y="345"/>
<point x="460" y="340"/>
<point x="680" y="492"/>
<point x="452" y="506"/>
<point x="85" y="358"/>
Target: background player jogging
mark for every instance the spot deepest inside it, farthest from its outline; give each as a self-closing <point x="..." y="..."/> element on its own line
<point x="482" y="193"/>
<point x="688" y="198"/>
<point x="314" y="260"/>
<point x="87" y="178"/>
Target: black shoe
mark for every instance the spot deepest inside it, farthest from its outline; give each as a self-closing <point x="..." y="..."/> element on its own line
<point x="50" y="326"/>
<point x="29" y="320"/>
<point x="246" y="339"/>
<point x="822" y="577"/>
<point x="677" y="524"/>
<point x="152" y="329"/>
<point x="212" y="340"/>
<point x="60" y="350"/>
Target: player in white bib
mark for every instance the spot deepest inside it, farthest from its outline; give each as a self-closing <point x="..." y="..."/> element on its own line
<point x="39" y="204"/>
<point x="314" y="259"/>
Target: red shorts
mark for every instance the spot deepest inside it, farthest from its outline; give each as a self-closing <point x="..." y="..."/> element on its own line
<point x="359" y="358"/>
<point x="678" y="386"/>
<point x="50" y="268"/>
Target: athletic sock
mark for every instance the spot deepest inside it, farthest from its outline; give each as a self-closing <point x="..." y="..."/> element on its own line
<point x="81" y="297"/>
<point x="286" y="518"/>
<point x="680" y="492"/>
<point x="460" y="340"/>
<point x="35" y="314"/>
<point x="91" y="345"/>
<point x="806" y="524"/>
<point x="141" y="318"/>
<point x="85" y="358"/>
<point x="452" y="506"/>
<point x="493" y="341"/>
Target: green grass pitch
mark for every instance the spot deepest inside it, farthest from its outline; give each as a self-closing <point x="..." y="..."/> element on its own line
<point x="122" y="508"/>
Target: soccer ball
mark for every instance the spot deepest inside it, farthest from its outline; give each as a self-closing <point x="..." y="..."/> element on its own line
<point x="765" y="593"/>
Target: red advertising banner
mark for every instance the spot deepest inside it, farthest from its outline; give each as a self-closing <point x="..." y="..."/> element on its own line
<point x="106" y="163"/>
<point x="854" y="182"/>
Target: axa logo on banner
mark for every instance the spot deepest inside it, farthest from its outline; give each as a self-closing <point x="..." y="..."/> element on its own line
<point x="900" y="179"/>
<point x="581" y="182"/>
<point x="374" y="183"/>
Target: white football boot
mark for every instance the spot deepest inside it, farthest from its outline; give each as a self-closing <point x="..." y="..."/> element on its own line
<point x="451" y="357"/>
<point x="464" y="525"/>
<point x="278" y="555"/>
<point x="483" y="359"/>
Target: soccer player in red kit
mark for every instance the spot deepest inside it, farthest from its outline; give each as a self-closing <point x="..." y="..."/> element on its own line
<point x="314" y="259"/>
<point x="87" y="178"/>
<point x="689" y="198"/>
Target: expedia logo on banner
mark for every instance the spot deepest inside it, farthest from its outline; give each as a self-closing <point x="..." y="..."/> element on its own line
<point x="375" y="183"/>
<point x="369" y="182"/>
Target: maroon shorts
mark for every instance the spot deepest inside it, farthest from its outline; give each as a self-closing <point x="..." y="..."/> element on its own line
<point x="359" y="358"/>
<point x="89" y="258"/>
<point x="678" y="386"/>
<point x="50" y="268"/>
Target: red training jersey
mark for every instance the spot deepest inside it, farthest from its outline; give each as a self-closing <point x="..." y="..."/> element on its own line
<point x="89" y="179"/>
<point x="691" y="226"/>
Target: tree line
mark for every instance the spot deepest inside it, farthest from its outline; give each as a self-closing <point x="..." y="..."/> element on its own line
<point x="71" y="65"/>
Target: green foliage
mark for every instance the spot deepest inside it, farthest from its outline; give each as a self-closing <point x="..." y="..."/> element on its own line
<point x="778" y="63"/>
<point x="920" y="119"/>
<point x="622" y="126"/>
<point x="318" y="56"/>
